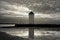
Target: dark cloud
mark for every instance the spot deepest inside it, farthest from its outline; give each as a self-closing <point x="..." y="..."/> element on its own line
<point x="38" y="5"/>
<point x="46" y="5"/>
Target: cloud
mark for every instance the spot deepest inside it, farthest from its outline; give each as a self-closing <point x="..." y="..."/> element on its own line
<point x="16" y="10"/>
<point x="39" y="5"/>
<point x="51" y="16"/>
<point x="45" y="6"/>
<point x="50" y="9"/>
<point x="12" y="13"/>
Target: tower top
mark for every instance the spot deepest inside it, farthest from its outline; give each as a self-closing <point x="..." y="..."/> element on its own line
<point x="31" y="13"/>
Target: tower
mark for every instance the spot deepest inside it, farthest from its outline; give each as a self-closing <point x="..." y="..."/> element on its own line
<point x="31" y="18"/>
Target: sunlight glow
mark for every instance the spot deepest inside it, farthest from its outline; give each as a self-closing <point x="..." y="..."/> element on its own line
<point x="18" y="7"/>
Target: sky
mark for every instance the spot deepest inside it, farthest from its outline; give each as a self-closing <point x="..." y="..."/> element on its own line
<point x="17" y="11"/>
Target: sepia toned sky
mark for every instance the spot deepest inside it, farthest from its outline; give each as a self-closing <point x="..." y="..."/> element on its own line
<point x="16" y="11"/>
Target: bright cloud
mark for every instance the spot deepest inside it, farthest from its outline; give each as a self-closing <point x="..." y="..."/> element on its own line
<point x="15" y="10"/>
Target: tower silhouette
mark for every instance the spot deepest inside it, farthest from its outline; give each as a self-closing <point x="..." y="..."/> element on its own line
<point x="31" y="18"/>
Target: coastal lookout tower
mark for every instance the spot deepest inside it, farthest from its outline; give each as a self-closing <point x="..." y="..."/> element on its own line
<point x="31" y="18"/>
